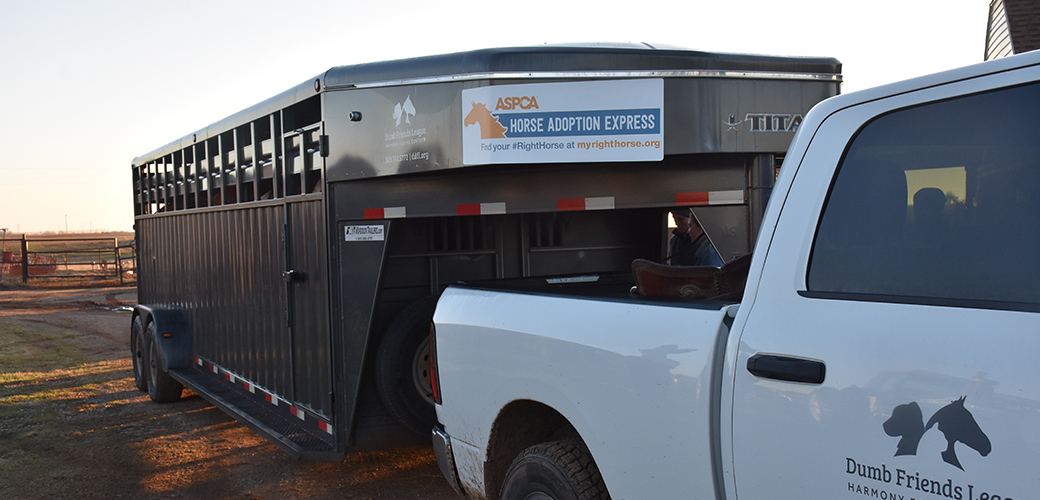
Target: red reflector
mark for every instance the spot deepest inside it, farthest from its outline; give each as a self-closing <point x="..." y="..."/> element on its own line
<point x="468" y="209"/>
<point x="570" y="204"/>
<point x="435" y="379"/>
<point x="697" y="198"/>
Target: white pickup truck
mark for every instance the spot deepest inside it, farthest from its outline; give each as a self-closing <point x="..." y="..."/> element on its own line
<point x="881" y="347"/>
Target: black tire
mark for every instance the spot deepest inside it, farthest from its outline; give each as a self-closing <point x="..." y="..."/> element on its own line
<point x="402" y="367"/>
<point x="137" y="349"/>
<point x="162" y="388"/>
<point x="557" y="470"/>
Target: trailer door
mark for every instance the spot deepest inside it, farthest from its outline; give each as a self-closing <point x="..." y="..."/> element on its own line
<point x="307" y="302"/>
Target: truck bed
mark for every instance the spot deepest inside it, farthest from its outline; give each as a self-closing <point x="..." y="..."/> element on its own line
<point x="600" y="358"/>
<point x="616" y="287"/>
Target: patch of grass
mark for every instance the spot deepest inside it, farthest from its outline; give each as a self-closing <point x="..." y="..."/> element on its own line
<point x="58" y="411"/>
<point x="26" y="348"/>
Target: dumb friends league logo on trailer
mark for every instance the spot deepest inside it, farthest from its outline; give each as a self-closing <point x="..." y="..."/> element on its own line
<point x="564" y="122"/>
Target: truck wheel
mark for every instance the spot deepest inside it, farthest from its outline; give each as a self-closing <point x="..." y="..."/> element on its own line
<point x="403" y="367"/>
<point x="162" y="388"/>
<point x="137" y="345"/>
<point x="557" y="470"/>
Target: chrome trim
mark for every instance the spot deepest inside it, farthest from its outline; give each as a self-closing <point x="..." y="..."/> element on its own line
<point x="549" y="75"/>
<point x="446" y="459"/>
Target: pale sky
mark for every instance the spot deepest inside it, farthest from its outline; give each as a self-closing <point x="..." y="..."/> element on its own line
<point x="88" y="86"/>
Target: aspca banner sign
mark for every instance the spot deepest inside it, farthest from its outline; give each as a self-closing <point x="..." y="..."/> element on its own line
<point x="617" y="120"/>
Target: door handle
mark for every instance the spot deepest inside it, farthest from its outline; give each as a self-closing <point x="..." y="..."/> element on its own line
<point x="288" y="276"/>
<point x="786" y="368"/>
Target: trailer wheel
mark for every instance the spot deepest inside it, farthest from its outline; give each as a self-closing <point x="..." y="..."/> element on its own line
<point x="162" y="388"/>
<point x="403" y="367"/>
<point x="137" y="346"/>
<point x="557" y="470"/>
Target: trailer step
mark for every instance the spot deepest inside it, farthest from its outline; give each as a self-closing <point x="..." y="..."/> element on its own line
<point x="283" y="432"/>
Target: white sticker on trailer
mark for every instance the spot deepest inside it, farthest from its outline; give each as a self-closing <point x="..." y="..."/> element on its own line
<point x="363" y="233"/>
<point x="598" y="121"/>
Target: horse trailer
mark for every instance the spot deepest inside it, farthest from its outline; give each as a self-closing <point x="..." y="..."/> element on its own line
<point x="290" y="255"/>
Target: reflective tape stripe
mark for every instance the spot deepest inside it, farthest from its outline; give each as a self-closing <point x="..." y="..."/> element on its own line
<point x="234" y="379"/>
<point x="595" y="203"/>
<point x="385" y="213"/>
<point x="731" y="197"/>
<point x="325" y="426"/>
<point x="480" y="208"/>
<point x="734" y="197"/>
<point x="298" y="413"/>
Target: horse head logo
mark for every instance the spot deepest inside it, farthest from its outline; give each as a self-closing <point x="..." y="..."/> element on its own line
<point x="954" y="420"/>
<point x="957" y="424"/>
<point x="490" y="128"/>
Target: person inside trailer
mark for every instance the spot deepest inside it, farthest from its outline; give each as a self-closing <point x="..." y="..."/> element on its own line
<point x="688" y="245"/>
<point x="693" y="268"/>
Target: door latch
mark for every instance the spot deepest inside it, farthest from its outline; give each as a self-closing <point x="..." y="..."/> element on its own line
<point x="787" y="368"/>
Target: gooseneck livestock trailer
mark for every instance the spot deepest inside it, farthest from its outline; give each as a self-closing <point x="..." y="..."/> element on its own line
<point x="290" y="255"/>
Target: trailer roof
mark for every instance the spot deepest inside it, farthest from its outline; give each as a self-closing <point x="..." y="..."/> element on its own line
<point x="572" y="58"/>
<point x="543" y="61"/>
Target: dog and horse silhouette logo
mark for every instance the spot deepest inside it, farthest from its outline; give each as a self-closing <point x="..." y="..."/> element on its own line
<point x="954" y="420"/>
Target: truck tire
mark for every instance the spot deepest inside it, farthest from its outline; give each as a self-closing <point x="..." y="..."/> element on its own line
<point x="402" y="367"/>
<point x="137" y="346"/>
<point x="162" y="388"/>
<point x="557" y="470"/>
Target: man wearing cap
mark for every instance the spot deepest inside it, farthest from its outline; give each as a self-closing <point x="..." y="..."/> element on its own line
<point x="689" y="246"/>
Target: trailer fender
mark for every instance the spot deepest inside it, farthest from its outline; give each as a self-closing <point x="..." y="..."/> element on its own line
<point x="173" y="334"/>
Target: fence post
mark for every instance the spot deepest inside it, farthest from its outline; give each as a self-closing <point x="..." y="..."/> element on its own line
<point x="25" y="261"/>
<point x="119" y="260"/>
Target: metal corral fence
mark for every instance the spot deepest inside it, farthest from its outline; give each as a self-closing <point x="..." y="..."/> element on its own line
<point x="82" y="258"/>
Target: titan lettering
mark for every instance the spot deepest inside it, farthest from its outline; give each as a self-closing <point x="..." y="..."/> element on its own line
<point x="769" y="122"/>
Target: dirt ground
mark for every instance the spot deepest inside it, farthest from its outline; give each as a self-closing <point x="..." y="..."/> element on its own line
<point x="72" y="425"/>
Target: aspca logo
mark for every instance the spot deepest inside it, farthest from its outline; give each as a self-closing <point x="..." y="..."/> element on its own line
<point x="953" y="420"/>
<point x="511" y="103"/>
<point x="490" y="128"/>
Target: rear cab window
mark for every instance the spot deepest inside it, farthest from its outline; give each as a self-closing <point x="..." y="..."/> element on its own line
<point x="940" y="204"/>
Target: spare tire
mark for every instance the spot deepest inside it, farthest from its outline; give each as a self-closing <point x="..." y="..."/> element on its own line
<point x="402" y="367"/>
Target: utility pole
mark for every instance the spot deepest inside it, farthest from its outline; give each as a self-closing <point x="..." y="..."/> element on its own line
<point x="3" y="253"/>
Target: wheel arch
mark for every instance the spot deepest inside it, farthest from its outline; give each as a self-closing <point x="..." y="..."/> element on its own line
<point x="518" y="426"/>
<point x="173" y="334"/>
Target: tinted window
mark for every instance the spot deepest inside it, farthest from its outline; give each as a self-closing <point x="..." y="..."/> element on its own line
<point x="938" y="201"/>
